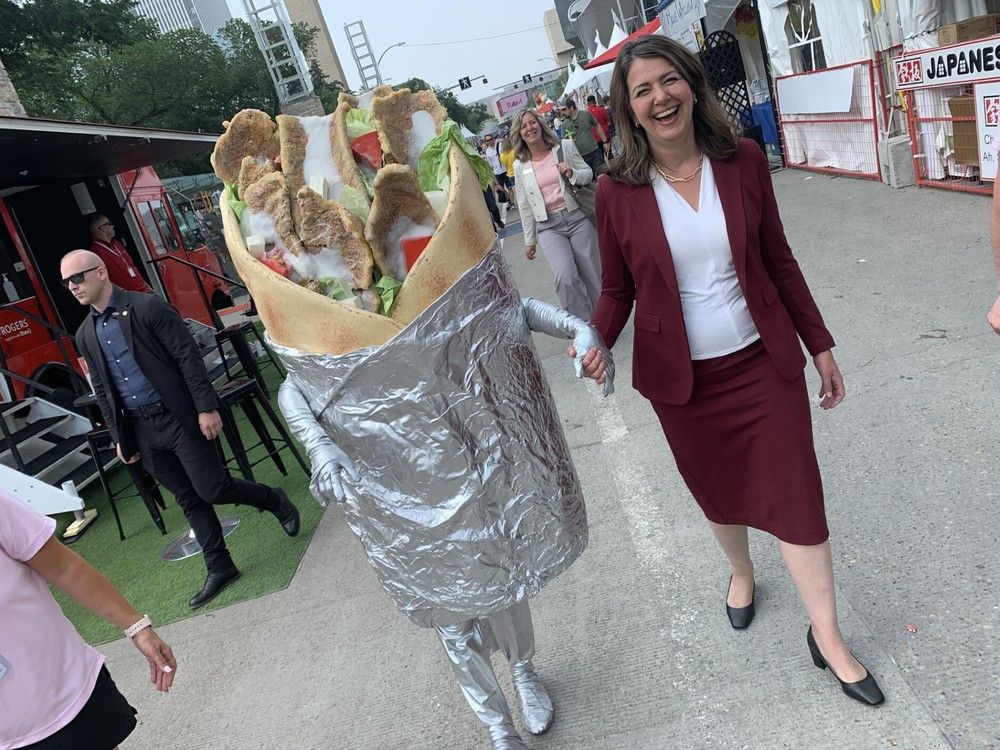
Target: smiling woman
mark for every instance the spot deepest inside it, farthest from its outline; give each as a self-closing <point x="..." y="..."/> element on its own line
<point x="690" y="235"/>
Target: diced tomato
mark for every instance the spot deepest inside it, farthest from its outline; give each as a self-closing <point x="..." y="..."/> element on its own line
<point x="275" y="266"/>
<point x="367" y="150"/>
<point x="412" y="247"/>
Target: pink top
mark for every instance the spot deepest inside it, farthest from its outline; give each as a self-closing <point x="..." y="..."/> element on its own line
<point x="547" y="177"/>
<point x="50" y="670"/>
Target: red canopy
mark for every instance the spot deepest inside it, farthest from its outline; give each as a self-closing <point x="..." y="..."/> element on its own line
<point x="609" y="57"/>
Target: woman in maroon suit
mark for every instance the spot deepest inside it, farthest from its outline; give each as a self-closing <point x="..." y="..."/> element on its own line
<point x="690" y="233"/>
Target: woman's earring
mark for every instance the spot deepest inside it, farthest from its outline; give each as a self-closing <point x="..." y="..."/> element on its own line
<point x="695" y="98"/>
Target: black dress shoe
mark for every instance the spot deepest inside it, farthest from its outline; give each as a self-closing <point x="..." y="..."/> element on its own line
<point x="214" y="584"/>
<point x="740" y="617"/>
<point x="286" y="513"/>
<point x="865" y="690"/>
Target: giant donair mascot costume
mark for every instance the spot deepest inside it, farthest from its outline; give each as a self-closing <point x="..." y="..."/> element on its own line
<point x="413" y="381"/>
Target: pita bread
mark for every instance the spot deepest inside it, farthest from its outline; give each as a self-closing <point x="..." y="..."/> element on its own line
<point x="297" y="317"/>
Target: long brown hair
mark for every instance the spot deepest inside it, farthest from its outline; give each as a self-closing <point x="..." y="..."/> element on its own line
<point x="549" y="136"/>
<point x="714" y="130"/>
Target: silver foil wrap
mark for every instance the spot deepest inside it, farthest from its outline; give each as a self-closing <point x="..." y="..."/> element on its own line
<point x="468" y="501"/>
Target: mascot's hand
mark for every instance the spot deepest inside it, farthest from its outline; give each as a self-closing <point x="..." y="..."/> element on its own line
<point x="330" y="464"/>
<point x="591" y="358"/>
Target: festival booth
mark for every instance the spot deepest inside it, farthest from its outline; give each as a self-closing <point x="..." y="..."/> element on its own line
<point x="949" y="79"/>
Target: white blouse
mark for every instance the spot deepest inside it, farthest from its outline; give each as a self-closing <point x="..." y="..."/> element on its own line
<point x="716" y="316"/>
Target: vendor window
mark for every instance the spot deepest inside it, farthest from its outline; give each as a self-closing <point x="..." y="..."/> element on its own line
<point x="804" y="41"/>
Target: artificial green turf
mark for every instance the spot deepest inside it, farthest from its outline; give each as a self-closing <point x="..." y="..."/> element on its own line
<point x="262" y="551"/>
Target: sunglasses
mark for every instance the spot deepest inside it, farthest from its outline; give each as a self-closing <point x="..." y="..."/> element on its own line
<point x="76" y="278"/>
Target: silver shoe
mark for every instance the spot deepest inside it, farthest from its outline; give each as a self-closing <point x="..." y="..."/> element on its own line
<point x="505" y="737"/>
<point x="537" y="712"/>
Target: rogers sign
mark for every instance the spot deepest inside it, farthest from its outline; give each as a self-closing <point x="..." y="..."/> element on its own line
<point x="21" y="326"/>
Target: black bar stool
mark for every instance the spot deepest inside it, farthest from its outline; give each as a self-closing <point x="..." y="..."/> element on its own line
<point x="247" y="394"/>
<point x="100" y="443"/>
<point x="236" y="335"/>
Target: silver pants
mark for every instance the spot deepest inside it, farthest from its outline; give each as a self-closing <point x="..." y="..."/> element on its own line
<point x="468" y="646"/>
<point x="569" y="244"/>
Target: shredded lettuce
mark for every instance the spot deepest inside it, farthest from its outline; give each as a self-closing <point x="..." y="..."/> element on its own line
<point x="354" y="201"/>
<point x="387" y="288"/>
<point x="335" y="288"/>
<point x="231" y="194"/>
<point x="359" y="122"/>
<point x="433" y="168"/>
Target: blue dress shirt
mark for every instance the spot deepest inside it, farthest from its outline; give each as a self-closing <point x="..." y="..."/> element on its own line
<point x="130" y="382"/>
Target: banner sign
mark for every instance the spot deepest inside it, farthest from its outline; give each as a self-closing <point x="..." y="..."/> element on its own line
<point x="509" y="104"/>
<point x="988" y="127"/>
<point x="968" y="62"/>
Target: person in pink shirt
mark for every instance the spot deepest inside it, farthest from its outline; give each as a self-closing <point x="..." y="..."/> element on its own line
<point x="55" y="692"/>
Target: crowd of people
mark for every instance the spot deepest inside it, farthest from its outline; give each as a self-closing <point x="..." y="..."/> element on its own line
<point x="720" y="308"/>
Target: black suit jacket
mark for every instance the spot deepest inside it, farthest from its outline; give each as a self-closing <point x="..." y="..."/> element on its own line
<point x="166" y="353"/>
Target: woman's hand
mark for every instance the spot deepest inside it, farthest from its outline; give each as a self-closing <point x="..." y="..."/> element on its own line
<point x="831" y="391"/>
<point x="162" y="663"/>
<point x="593" y="364"/>
<point x="565" y="170"/>
<point x="993" y="317"/>
<point x="529" y="252"/>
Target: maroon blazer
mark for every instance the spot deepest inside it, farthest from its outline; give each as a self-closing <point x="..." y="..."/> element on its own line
<point x="637" y="267"/>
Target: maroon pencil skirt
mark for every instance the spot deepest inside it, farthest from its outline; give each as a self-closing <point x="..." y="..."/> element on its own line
<point x="744" y="446"/>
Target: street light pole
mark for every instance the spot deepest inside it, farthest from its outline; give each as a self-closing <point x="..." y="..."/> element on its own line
<point x="378" y="70"/>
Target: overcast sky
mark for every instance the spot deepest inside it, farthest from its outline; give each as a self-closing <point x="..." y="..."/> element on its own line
<point x="448" y="25"/>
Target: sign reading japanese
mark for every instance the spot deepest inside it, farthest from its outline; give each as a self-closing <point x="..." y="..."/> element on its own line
<point x="968" y="62"/>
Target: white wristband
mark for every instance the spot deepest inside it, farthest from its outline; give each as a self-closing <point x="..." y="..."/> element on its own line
<point x="131" y="630"/>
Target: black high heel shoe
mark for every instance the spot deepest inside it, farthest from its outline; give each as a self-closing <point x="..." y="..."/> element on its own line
<point x="865" y="690"/>
<point x="740" y="617"/>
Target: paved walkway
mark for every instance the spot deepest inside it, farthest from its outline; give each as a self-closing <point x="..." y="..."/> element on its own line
<point x="633" y="641"/>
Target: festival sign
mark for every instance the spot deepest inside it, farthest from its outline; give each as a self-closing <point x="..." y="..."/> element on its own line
<point x="987" y="97"/>
<point x="967" y="62"/>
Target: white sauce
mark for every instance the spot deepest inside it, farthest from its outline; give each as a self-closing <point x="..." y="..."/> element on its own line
<point x="438" y="200"/>
<point x="261" y="225"/>
<point x="318" y="159"/>
<point x="327" y="262"/>
<point x="423" y="131"/>
<point x="403" y="228"/>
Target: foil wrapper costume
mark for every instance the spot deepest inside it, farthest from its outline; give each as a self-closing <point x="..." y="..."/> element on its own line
<point x="446" y="450"/>
<point x="413" y="381"/>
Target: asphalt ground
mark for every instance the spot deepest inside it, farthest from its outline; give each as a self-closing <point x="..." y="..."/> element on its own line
<point x="633" y="641"/>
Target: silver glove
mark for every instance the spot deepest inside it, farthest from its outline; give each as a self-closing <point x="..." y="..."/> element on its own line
<point x="545" y="318"/>
<point x="329" y="463"/>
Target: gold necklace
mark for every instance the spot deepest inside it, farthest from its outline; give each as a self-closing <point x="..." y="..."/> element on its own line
<point x="668" y="178"/>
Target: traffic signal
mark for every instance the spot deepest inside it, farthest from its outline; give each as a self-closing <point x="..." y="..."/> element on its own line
<point x="526" y="78"/>
<point x="464" y="83"/>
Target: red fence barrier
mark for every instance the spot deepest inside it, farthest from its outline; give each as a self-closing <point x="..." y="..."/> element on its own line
<point x="842" y="142"/>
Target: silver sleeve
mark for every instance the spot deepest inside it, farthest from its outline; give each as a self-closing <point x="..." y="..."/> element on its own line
<point x="554" y="321"/>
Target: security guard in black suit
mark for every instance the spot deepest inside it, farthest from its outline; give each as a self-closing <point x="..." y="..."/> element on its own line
<point x="158" y="403"/>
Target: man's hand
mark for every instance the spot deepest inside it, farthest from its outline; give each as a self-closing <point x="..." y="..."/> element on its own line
<point x="131" y="460"/>
<point x="593" y="363"/>
<point x="210" y="423"/>
<point x="529" y="252"/>
<point x="993" y="316"/>
<point x="162" y="664"/>
<point x="831" y="391"/>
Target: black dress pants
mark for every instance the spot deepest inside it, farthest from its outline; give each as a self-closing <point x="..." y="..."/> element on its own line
<point x="191" y="468"/>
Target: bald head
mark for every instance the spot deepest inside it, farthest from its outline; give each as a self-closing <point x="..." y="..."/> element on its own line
<point x="85" y="258"/>
<point x="86" y="277"/>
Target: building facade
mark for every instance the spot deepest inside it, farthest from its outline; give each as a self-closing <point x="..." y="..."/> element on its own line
<point x="171" y="15"/>
<point x="325" y="54"/>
